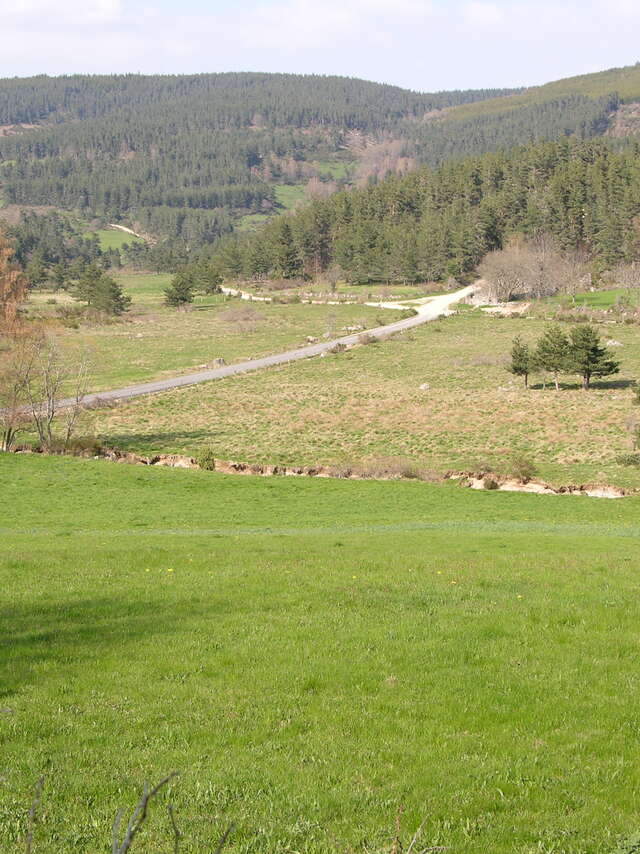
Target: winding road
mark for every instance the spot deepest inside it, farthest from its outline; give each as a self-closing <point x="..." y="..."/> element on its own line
<point x="427" y="309"/>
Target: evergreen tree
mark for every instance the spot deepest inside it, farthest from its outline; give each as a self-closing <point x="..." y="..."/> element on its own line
<point x="588" y="357"/>
<point x="36" y="271"/>
<point x="101" y="292"/>
<point x="521" y="361"/>
<point x="180" y="293"/>
<point x="59" y="275"/>
<point x="552" y="352"/>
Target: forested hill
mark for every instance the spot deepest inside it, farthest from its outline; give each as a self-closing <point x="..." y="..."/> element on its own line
<point x="432" y="224"/>
<point x="187" y="159"/>
<point x="187" y="156"/>
<point x="222" y="101"/>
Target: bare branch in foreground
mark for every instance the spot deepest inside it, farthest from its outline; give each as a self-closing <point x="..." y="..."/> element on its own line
<point x="138" y="817"/>
<point x="33" y="814"/>
<point x="224" y="838"/>
<point x="176" y="832"/>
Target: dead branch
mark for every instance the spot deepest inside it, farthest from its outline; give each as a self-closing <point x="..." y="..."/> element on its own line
<point x="33" y="814"/>
<point x="224" y="838"/>
<point x="176" y="832"/>
<point x="138" y="817"/>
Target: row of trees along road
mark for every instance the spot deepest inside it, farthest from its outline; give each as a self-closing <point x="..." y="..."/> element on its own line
<point x="580" y="352"/>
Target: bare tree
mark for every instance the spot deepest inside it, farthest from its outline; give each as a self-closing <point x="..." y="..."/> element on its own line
<point x="535" y="268"/>
<point x="16" y="361"/>
<point x="49" y="377"/>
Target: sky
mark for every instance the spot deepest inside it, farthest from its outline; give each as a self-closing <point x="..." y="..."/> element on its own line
<point x="425" y="45"/>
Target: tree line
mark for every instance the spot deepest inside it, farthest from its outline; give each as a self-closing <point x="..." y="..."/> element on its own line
<point x="435" y="223"/>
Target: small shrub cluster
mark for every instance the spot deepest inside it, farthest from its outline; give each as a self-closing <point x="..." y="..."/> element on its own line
<point x="207" y="460"/>
<point x="631" y="459"/>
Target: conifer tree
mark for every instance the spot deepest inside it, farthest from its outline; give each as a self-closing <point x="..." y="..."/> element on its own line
<point x="101" y="292"/>
<point x="521" y="361"/>
<point x="588" y="357"/>
<point x="180" y="293"/>
<point x="552" y="352"/>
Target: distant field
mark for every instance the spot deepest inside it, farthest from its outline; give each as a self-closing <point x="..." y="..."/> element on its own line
<point x="602" y="299"/>
<point x="249" y="222"/>
<point x="111" y="238"/>
<point x="288" y="195"/>
<point x="367" y="403"/>
<point x="154" y="341"/>
<point x="338" y="170"/>
<point x="317" y="658"/>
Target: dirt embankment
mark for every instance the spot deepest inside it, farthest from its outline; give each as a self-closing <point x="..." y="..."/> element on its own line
<point x="391" y="470"/>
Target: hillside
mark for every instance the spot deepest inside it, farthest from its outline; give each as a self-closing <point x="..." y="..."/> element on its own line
<point x="187" y="159"/>
<point x="432" y="224"/>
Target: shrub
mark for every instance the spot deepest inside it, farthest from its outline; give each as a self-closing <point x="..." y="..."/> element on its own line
<point x="632" y="459"/>
<point x="207" y="460"/>
<point x="367" y="338"/>
<point x="522" y="467"/>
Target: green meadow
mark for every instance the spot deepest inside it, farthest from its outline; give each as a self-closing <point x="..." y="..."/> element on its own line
<point x="327" y="663"/>
<point x="112" y="238"/>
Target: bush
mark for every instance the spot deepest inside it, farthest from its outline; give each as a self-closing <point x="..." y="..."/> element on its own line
<point x="523" y="468"/>
<point x="367" y="338"/>
<point x="632" y="459"/>
<point x="207" y="460"/>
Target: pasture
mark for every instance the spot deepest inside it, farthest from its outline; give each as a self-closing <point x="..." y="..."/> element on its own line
<point x="152" y="341"/>
<point x="112" y="238"/>
<point x="439" y="396"/>
<point x="321" y="660"/>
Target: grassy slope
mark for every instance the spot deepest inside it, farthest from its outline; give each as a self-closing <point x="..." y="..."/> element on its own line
<point x="368" y="403"/>
<point x="153" y="341"/>
<point x="313" y="655"/>
<point x="625" y="81"/>
<point x="111" y="238"/>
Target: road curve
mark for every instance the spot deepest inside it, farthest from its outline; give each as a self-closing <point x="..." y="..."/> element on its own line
<point x="427" y="311"/>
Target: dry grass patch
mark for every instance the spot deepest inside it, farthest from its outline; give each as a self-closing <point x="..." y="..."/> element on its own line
<point x="368" y="403"/>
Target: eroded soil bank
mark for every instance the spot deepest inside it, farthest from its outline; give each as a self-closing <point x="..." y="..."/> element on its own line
<point x="472" y="480"/>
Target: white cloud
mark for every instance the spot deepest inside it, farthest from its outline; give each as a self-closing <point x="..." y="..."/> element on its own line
<point x="482" y="14"/>
<point x="33" y="12"/>
<point x="298" y="24"/>
<point x="626" y="7"/>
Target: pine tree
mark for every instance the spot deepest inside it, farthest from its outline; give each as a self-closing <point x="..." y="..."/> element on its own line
<point x="180" y="292"/>
<point x="520" y="361"/>
<point x="588" y="357"/>
<point x="552" y="352"/>
<point x="101" y="292"/>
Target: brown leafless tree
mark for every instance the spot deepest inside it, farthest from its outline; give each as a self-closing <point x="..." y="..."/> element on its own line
<point x="50" y="376"/>
<point x="535" y="268"/>
<point x="16" y="359"/>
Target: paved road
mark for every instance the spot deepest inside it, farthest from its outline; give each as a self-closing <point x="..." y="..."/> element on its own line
<point x="427" y="311"/>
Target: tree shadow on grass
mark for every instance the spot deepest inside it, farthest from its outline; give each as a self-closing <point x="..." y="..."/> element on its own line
<point x="47" y="639"/>
<point x="596" y="385"/>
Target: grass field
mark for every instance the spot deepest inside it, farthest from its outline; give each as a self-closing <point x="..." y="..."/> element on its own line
<point x="601" y="299"/>
<point x="367" y="403"/>
<point x="288" y="195"/>
<point x="111" y="238"/>
<point x="314" y="657"/>
<point x="154" y="341"/>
